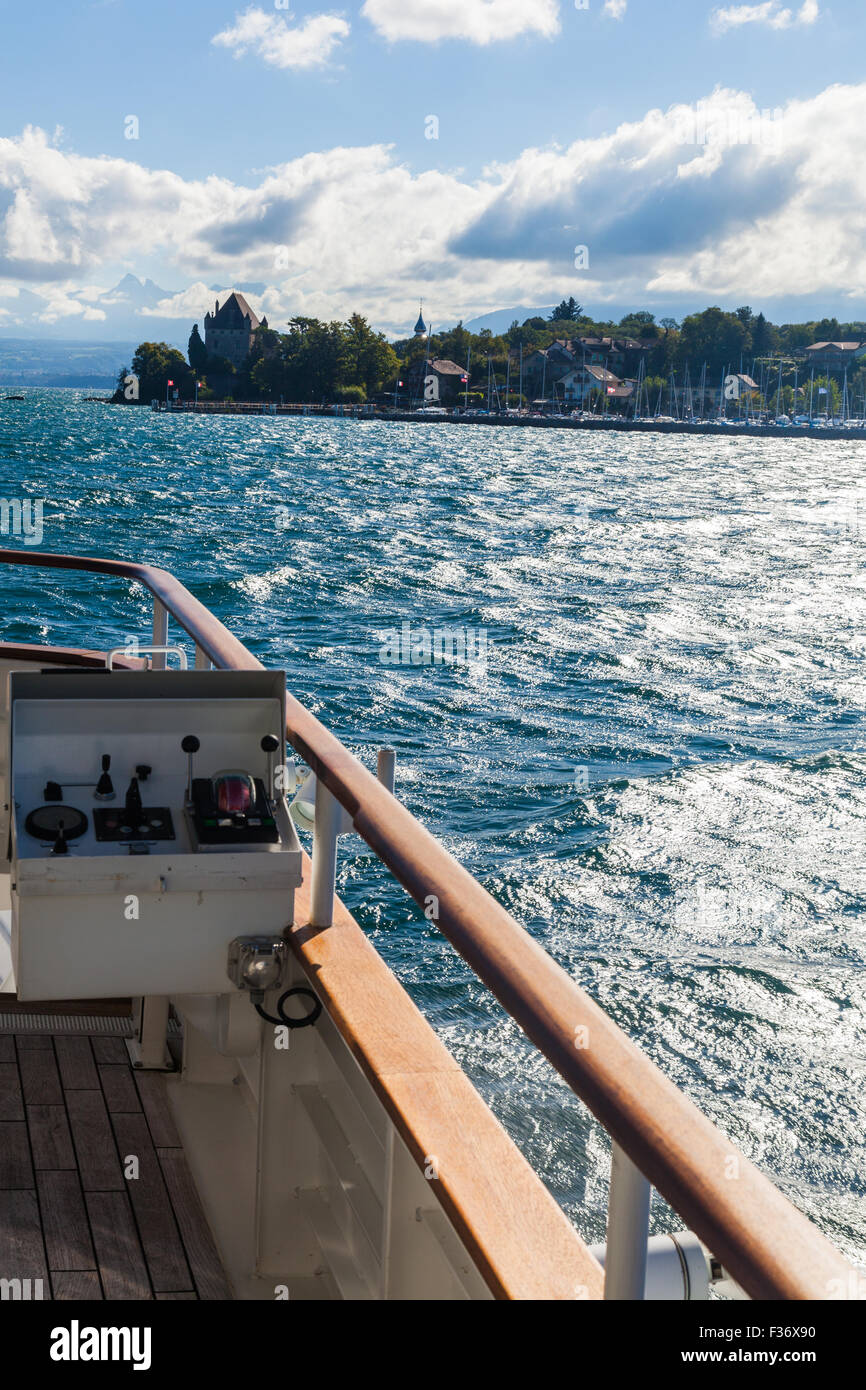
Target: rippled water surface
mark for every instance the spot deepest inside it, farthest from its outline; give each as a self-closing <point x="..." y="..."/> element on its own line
<point x="660" y="770"/>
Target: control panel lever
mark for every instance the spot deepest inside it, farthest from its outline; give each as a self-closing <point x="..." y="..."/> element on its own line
<point x="190" y="744"/>
<point x="133" y="798"/>
<point x="105" y="787"/>
<point x="270" y="744"/>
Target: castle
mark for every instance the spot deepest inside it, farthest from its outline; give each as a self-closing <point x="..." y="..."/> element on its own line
<point x="228" y="331"/>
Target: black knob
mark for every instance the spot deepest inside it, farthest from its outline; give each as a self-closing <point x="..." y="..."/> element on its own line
<point x="142" y="771"/>
<point x="60" y="845"/>
<point x="52" y="791"/>
<point x="133" y="798"/>
<point x="190" y="744"/>
<point x="270" y="743"/>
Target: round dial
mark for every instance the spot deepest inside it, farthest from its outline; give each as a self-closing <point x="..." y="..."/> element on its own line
<point x="44" y="822"/>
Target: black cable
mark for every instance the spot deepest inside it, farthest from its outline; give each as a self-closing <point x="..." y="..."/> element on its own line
<point x="286" y="1019"/>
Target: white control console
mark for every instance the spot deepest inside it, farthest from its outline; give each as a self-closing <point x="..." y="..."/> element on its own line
<point x="147" y="831"/>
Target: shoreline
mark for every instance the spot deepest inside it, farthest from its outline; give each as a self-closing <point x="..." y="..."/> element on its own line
<point x="608" y="424"/>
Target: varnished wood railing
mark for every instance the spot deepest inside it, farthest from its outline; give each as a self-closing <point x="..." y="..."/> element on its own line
<point x="759" y="1237"/>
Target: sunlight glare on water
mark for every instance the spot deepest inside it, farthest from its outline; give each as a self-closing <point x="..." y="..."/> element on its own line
<point x="660" y="770"/>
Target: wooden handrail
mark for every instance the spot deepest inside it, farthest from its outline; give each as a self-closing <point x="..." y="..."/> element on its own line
<point x="762" y="1240"/>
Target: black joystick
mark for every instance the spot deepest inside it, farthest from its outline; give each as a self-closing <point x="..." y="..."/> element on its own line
<point x="105" y="786"/>
<point x="270" y="744"/>
<point x="190" y="744"/>
<point x="133" y="800"/>
<point x="60" y="846"/>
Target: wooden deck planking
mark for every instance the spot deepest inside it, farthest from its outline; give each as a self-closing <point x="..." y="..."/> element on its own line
<point x="118" y="1252"/>
<point x="40" y="1079"/>
<point x="76" y="1286"/>
<point x="11" y="1099"/>
<point x="64" y="1223"/>
<point x="151" y="1088"/>
<point x="157" y="1229"/>
<point x="94" y="1142"/>
<point x="16" y="1170"/>
<point x="50" y="1140"/>
<point x="71" y="1110"/>
<point x="207" y="1270"/>
<point x="22" y="1253"/>
<point x="77" y="1067"/>
<point x="107" y="1050"/>
<point x="119" y="1088"/>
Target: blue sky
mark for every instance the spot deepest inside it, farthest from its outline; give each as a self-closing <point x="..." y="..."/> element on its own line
<point x="236" y="173"/>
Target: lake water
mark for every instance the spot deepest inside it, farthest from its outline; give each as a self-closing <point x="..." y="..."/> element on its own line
<point x="656" y="760"/>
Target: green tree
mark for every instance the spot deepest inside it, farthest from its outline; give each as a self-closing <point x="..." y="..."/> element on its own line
<point x="714" y="337"/>
<point x="196" y="351"/>
<point x="566" y="311"/>
<point x="368" y="360"/>
<point x="155" y="364"/>
<point x="640" y="325"/>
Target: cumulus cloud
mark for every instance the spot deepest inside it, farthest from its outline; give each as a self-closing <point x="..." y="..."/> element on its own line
<point x="478" y="21"/>
<point x="715" y="202"/>
<point x="771" y="13"/>
<point x="271" y="39"/>
<point x="189" y="304"/>
<point x="615" y="8"/>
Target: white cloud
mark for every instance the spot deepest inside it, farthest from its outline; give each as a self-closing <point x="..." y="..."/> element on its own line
<point x="478" y="21"/>
<point x="771" y="13"/>
<point x="61" y="306"/>
<point x="189" y="304"/>
<point x="269" y="36"/>
<point x="615" y="8"/>
<point x="717" y="219"/>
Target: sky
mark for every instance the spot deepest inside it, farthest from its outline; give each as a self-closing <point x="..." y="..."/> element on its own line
<point x="474" y="153"/>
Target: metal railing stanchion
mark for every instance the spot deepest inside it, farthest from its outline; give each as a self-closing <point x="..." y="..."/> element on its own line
<point x="627" y="1228"/>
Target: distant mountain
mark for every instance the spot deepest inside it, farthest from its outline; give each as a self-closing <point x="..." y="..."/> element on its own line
<point x="62" y="362"/>
<point x="111" y="316"/>
<point x="500" y="320"/>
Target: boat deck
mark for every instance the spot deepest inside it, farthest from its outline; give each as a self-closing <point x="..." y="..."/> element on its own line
<point x="74" y="1114"/>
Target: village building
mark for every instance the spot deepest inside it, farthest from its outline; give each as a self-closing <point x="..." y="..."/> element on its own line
<point x="228" y="331"/>
<point x="578" y="385"/>
<point x="450" y="380"/>
<point x="834" y="357"/>
<point x="545" y="367"/>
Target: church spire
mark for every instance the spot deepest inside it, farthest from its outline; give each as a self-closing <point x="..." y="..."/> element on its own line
<point x="420" y="327"/>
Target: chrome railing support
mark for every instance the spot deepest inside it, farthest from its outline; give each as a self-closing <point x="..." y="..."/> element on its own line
<point x="160" y="633"/>
<point x="627" y="1228"/>
<point x="386" y="767"/>
<point x="331" y="822"/>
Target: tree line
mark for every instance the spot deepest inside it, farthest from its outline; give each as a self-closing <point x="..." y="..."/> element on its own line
<point x="317" y="361"/>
